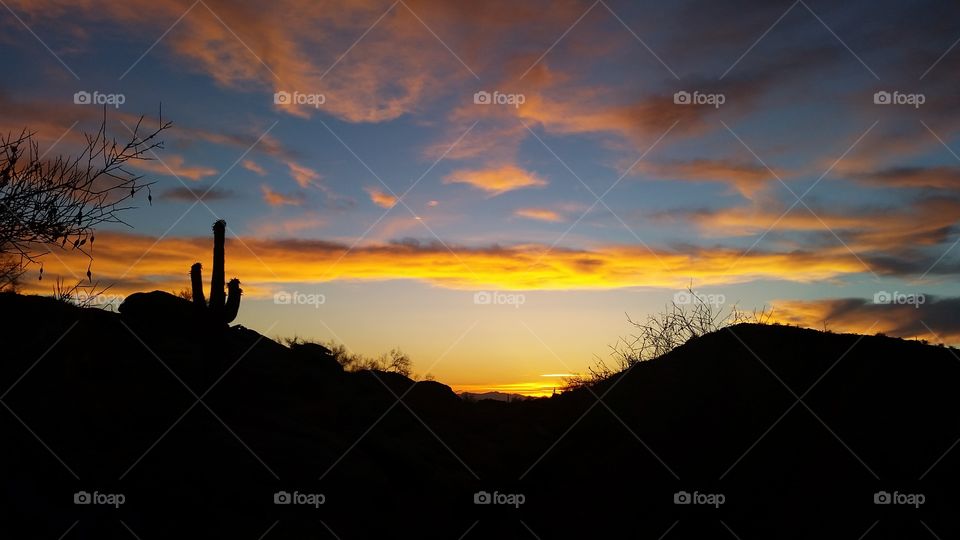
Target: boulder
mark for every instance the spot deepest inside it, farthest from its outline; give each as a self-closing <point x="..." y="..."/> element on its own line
<point x="162" y="308"/>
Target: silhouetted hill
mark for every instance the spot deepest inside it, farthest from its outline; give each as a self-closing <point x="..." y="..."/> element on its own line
<point x="199" y="426"/>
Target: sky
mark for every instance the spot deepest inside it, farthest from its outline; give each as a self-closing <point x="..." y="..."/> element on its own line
<point x="494" y="186"/>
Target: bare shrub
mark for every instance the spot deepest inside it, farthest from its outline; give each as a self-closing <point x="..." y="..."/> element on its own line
<point x="663" y="332"/>
<point x="395" y="361"/>
<point x="80" y="294"/>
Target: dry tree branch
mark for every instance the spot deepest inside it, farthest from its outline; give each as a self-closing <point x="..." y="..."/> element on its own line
<point x="60" y="201"/>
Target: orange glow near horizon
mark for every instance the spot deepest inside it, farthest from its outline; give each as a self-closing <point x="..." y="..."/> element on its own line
<point x="542" y="388"/>
<point x="137" y="262"/>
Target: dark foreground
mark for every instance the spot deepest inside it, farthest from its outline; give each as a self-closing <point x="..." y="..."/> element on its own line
<point x="787" y="433"/>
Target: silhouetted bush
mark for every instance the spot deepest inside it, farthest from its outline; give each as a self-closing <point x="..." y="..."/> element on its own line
<point x="395" y="361"/>
<point x="80" y="294"/>
<point x="665" y="331"/>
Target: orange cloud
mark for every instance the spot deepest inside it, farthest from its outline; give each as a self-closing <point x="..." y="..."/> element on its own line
<point x="923" y="222"/>
<point x="174" y="165"/>
<point x="562" y="103"/>
<point x="252" y="166"/>
<point x="297" y="46"/>
<point x="380" y="198"/>
<point x="410" y="52"/>
<point x="912" y="177"/>
<point x="933" y="319"/>
<point x="304" y="176"/>
<point x="497" y="180"/>
<point x="278" y="199"/>
<point x="638" y="121"/>
<point x="541" y="214"/>
<point x="137" y="262"/>
<point x="747" y="178"/>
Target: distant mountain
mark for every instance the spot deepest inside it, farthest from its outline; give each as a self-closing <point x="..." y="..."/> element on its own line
<point x="495" y="396"/>
<point x="750" y="432"/>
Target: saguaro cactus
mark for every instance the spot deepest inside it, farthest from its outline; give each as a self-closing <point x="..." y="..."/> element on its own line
<point x="217" y="297"/>
<point x="220" y="308"/>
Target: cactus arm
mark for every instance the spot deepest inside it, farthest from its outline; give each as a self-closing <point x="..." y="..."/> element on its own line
<point x="196" y="283"/>
<point x="233" y="301"/>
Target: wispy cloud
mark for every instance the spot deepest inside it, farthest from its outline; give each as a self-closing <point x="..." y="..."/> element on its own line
<point x="381" y="198"/>
<point x="253" y="167"/>
<point x="274" y="198"/>
<point x="922" y="222"/>
<point x="175" y="165"/>
<point x="747" y="178"/>
<point x="539" y="214"/>
<point x="303" y="175"/>
<point x="185" y="194"/>
<point x="912" y="177"/>
<point x="496" y="180"/>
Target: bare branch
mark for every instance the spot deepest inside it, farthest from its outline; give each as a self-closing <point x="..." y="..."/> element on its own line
<point x="665" y="331"/>
<point x="59" y="202"/>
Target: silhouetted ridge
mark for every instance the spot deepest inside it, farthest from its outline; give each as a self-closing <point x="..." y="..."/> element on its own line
<point x="719" y="414"/>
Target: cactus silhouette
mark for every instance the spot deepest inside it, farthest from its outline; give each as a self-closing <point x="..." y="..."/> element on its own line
<point x="221" y="309"/>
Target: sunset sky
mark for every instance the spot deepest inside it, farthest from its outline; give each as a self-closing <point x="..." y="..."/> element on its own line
<point x="619" y="151"/>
